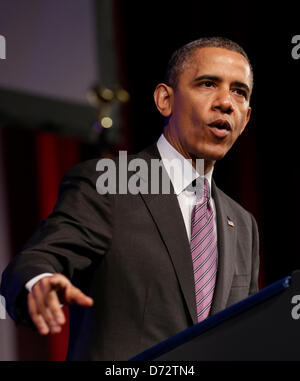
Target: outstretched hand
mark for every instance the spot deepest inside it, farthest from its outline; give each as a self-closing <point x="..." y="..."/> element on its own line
<point x="45" y="299"/>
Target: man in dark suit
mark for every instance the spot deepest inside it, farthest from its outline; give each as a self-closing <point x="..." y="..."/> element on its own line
<point x="123" y="261"/>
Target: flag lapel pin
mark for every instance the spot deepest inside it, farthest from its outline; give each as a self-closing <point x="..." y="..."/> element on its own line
<point x="230" y="223"/>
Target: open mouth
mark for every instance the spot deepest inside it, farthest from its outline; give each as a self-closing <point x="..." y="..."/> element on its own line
<point x="220" y="128"/>
<point x="221" y="124"/>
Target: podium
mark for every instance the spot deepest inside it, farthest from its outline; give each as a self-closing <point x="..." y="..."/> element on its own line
<point x="264" y="326"/>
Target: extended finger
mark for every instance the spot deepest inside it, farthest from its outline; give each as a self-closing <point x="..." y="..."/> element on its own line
<point x="40" y="293"/>
<point x="74" y="295"/>
<point x="54" y="305"/>
<point x="70" y="293"/>
<point x="36" y="317"/>
<point x="59" y="281"/>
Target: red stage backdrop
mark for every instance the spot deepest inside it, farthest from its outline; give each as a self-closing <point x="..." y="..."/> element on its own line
<point x="55" y="155"/>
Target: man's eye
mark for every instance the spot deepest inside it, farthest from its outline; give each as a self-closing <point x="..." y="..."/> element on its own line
<point x="206" y="83"/>
<point x="241" y="92"/>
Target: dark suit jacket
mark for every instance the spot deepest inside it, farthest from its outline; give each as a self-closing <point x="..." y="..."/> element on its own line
<point x="131" y="254"/>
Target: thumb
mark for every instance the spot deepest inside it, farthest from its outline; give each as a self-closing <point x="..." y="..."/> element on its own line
<point x="74" y="295"/>
<point x="69" y="294"/>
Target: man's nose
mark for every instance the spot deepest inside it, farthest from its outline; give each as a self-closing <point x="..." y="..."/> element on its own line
<point x="223" y="101"/>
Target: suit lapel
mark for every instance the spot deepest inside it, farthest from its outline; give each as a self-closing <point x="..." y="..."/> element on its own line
<point x="226" y="229"/>
<point x="166" y="213"/>
<point x="167" y="216"/>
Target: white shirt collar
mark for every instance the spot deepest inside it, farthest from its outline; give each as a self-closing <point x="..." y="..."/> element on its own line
<point x="182" y="175"/>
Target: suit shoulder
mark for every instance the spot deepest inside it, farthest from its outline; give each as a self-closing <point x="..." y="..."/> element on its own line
<point x="239" y="210"/>
<point x="92" y="167"/>
<point x="83" y="169"/>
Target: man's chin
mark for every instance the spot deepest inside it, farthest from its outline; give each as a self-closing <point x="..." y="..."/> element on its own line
<point x="212" y="154"/>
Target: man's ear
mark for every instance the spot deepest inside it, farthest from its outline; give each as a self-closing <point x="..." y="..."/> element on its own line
<point x="163" y="98"/>
<point x="247" y="119"/>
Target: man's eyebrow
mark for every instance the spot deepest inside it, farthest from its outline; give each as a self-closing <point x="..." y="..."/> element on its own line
<point x="242" y="85"/>
<point x="207" y="76"/>
<point x="218" y="79"/>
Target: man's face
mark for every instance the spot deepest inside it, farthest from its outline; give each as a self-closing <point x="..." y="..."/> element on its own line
<point x="209" y="108"/>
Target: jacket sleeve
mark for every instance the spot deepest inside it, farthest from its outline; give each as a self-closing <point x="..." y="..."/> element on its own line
<point x="73" y="237"/>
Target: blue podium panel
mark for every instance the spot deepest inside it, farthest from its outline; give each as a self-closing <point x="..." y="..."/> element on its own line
<point x="265" y="326"/>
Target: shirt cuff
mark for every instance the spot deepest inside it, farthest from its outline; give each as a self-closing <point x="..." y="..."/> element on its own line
<point x="34" y="280"/>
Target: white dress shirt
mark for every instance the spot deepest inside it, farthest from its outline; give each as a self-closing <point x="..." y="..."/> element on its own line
<point x="181" y="177"/>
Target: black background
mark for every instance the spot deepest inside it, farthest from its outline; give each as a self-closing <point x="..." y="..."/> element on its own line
<point x="265" y="159"/>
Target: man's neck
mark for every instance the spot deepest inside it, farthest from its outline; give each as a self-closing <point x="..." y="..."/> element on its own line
<point x="174" y="141"/>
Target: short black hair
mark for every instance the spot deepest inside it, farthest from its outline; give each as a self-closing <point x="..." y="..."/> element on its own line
<point x="181" y="55"/>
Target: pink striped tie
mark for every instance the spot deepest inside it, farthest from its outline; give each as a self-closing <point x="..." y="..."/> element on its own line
<point x="204" y="253"/>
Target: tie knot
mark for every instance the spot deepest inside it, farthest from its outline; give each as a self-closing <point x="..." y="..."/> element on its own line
<point x="206" y="192"/>
<point x="202" y="188"/>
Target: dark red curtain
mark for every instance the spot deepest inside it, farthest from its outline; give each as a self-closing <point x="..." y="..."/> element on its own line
<point x="54" y="156"/>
